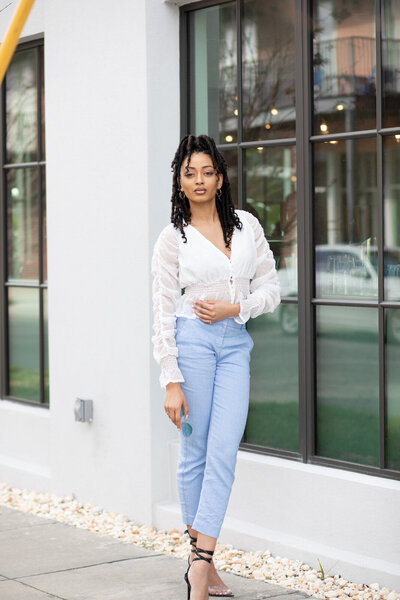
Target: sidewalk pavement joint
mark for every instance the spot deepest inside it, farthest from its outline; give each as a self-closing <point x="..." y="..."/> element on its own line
<point x="69" y="563"/>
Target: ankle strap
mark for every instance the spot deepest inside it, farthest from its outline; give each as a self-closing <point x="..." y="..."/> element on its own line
<point x="198" y="557"/>
<point x="193" y="540"/>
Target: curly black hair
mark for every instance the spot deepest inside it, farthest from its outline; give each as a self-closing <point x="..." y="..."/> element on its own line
<point x="180" y="211"/>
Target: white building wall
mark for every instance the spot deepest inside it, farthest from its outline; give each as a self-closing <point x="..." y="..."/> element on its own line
<point x="98" y="245"/>
<point x="163" y="130"/>
<point x="96" y="113"/>
<point x="112" y="126"/>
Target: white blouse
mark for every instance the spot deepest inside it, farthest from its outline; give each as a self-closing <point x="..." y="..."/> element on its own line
<point x="248" y="277"/>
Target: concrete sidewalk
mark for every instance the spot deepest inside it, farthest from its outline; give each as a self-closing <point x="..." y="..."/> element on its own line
<point x="42" y="559"/>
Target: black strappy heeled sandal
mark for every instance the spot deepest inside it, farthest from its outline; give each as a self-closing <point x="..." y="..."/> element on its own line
<point x="193" y="541"/>
<point x="198" y="557"/>
<point x="221" y="594"/>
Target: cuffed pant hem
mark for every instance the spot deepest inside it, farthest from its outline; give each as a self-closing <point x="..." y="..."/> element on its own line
<point x="206" y="529"/>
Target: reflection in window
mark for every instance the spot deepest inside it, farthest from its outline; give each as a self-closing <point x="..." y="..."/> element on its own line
<point x="231" y="160"/>
<point x="24" y="215"/>
<point x="344" y="66"/>
<point x="391" y="62"/>
<point x="391" y="177"/>
<point x="23" y="316"/>
<point x="44" y="225"/>
<point x="271" y="196"/>
<point x="46" y="347"/>
<point x="42" y="103"/>
<point x="21" y="112"/>
<point x="213" y="93"/>
<point x="273" y="409"/>
<point x="346" y="219"/>
<point x="393" y="388"/>
<point x="23" y="224"/>
<point x="348" y="383"/>
<point x="268" y="69"/>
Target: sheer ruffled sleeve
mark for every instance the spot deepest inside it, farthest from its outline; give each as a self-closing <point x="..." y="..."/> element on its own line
<point x="265" y="293"/>
<point x="165" y="294"/>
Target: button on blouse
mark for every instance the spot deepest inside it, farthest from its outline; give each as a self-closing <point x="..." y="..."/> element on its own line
<point x="204" y="272"/>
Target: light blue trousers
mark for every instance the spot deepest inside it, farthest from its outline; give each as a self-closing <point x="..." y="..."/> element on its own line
<point x="214" y="359"/>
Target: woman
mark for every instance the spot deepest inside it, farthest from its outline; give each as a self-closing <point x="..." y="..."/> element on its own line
<point x="221" y="259"/>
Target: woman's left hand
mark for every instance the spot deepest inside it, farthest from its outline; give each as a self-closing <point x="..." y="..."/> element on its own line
<point x="211" y="311"/>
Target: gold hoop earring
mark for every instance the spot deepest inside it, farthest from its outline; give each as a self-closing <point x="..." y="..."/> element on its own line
<point x="219" y="193"/>
<point x="182" y="194"/>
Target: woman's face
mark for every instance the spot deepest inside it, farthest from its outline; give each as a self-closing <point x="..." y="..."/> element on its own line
<point x="199" y="180"/>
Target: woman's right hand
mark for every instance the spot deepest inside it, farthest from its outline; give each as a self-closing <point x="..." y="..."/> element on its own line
<point x="174" y="400"/>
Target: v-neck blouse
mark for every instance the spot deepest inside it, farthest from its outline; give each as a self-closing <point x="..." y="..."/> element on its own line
<point x="204" y="272"/>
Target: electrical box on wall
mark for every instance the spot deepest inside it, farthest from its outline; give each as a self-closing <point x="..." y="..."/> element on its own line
<point x="83" y="410"/>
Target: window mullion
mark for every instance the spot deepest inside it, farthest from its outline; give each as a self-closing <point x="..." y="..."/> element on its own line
<point x="380" y="243"/>
<point x="303" y="225"/>
<point x="40" y="227"/>
<point x="3" y="252"/>
<point x="241" y="158"/>
<point x="184" y="73"/>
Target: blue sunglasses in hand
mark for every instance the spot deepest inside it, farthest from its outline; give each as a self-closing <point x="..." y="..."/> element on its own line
<point x="186" y="428"/>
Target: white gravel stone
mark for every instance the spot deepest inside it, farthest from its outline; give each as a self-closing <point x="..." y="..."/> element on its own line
<point x="290" y="574"/>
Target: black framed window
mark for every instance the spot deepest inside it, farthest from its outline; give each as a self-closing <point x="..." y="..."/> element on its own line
<point x="24" y="362"/>
<point x="302" y="98"/>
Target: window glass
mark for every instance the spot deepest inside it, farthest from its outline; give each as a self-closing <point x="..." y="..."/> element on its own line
<point x="273" y="410"/>
<point x="344" y="65"/>
<point x="347" y="384"/>
<point x="21" y="108"/>
<point x="23" y="325"/>
<point x="44" y="224"/>
<point x="270" y="184"/>
<point x="24" y="217"/>
<point x="23" y="224"/>
<point x="213" y="64"/>
<point x="390" y="63"/>
<point x="393" y="388"/>
<point x="391" y="176"/>
<point x="231" y="161"/>
<point x="46" y="346"/>
<point x="268" y="71"/>
<point x="42" y="105"/>
<point x="271" y="195"/>
<point x="346" y="219"/>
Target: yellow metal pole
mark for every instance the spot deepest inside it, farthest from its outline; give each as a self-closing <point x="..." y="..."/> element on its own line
<point x="12" y="34"/>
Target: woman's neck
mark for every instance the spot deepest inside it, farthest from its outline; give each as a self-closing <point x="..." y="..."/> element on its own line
<point x="204" y="215"/>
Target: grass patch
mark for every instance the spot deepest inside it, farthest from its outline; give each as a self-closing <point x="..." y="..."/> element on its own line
<point x="25" y="383"/>
<point x="272" y="424"/>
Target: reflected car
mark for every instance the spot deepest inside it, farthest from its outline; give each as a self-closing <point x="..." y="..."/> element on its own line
<point x="346" y="272"/>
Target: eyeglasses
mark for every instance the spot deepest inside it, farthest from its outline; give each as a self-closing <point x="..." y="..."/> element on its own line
<point x="187" y="429"/>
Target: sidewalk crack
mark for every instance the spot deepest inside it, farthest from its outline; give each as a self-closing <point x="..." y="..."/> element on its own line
<point x="106" y="562"/>
<point x="50" y="595"/>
